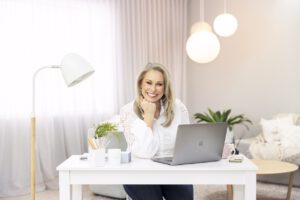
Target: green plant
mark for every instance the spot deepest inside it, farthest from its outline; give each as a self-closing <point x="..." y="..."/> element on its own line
<point x="104" y="128"/>
<point x="218" y="116"/>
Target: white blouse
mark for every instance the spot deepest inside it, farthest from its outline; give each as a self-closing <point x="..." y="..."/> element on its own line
<point x="145" y="142"/>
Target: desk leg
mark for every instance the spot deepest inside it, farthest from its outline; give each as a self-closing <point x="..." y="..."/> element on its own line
<point x="64" y="185"/>
<point x="250" y="187"/>
<point x="247" y="191"/>
<point x="76" y="192"/>
<point x="238" y="192"/>
<point x="288" y="197"/>
<point x="229" y="192"/>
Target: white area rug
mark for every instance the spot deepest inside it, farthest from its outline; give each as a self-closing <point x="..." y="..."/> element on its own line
<point x="219" y="192"/>
<point x="202" y="192"/>
<point x="263" y="190"/>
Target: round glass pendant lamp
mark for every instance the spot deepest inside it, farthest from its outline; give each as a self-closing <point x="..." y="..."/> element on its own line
<point x="200" y="26"/>
<point x="225" y="25"/>
<point x="202" y="46"/>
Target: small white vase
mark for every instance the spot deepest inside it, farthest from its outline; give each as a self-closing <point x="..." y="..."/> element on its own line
<point x="228" y="150"/>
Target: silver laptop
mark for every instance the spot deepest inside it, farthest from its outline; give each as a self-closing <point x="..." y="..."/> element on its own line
<point x="197" y="143"/>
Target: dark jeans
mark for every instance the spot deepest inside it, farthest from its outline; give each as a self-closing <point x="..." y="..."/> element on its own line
<point x="157" y="192"/>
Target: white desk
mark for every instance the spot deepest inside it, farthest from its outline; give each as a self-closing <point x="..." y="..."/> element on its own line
<point x="73" y="173"/>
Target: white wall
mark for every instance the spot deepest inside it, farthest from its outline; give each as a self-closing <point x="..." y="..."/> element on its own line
<point x="258" y="69"/>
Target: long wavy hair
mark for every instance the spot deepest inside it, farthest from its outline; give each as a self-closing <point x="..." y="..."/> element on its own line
<point x="167" y="99"/>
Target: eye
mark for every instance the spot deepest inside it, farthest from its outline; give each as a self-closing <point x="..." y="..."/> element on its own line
<point x="160" y="84"/>
<point x="149" y="82"/>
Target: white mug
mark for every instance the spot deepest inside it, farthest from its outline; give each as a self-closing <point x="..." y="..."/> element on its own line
<point x="114" y="156"/>
<point x="97" y="157"/>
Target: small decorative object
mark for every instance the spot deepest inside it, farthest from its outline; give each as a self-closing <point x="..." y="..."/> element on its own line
<point x="218" y="116"/>
<point x="125" y="157"/>
<point x="236" y="158"/>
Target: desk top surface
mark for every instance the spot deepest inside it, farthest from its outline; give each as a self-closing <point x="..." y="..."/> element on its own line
<point x="74" y="163"/>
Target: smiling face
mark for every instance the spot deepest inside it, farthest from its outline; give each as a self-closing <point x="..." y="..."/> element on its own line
<point x="152" y="86"/>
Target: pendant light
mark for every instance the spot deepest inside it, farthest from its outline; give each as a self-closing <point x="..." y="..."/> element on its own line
<point x="225" y="24"/>
<point x="202" y="46"/>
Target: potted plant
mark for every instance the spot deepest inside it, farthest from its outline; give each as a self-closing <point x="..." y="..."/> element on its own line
<point x="98" y="142"/>
<point x="224" y="116"/>
<point x="102" y="130"/>
<point x="218" y="116"/>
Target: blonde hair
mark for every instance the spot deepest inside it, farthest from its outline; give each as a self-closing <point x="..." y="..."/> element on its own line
<point x="167" y="99"/>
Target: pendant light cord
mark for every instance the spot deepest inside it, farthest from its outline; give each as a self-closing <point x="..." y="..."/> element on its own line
<point x="202" y="10"/>
<point x="225" y="6"/>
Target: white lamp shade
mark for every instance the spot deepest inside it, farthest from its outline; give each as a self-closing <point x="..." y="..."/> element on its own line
<point x="225" y="25"/>
<point x="203" y="46"/>
<point x="74" y="69"/>
<point x="200" y="26"/>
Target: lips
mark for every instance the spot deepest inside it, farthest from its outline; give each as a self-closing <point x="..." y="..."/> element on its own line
<point x="151" y="95"/>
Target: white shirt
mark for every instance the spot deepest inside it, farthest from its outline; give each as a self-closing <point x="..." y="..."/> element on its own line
<point x="145" y="142"/>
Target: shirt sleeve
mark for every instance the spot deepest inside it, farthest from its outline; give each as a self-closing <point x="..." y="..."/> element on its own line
<point x="141" y="140"/>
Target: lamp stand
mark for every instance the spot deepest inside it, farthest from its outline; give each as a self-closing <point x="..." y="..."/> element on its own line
<point x="33" y="135"/>
<point x="33" y="155"/>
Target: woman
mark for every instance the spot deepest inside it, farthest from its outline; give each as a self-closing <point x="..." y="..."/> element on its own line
<point x="150" y="125"/>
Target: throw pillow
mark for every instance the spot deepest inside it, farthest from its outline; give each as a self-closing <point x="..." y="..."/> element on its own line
<point x="294" y="116"/>
<point x="270" y="128"/>
<point x="290" y="146"/>
<point x="289" y="136"/>
<point x="265" y="151"/>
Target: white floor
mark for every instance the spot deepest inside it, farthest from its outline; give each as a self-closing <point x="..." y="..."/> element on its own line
<point x="202" y="192"/>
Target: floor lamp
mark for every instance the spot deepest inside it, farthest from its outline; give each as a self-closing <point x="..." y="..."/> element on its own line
<point x="74" y="69"/>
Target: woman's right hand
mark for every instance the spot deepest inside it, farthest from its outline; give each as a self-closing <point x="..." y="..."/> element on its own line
<point x="149" y="109"/>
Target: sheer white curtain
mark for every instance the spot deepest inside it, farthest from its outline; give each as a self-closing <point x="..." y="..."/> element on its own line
<point x="118" y="37"/>
<point x="38" y="33"/>
<point x="153" y="31"/>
